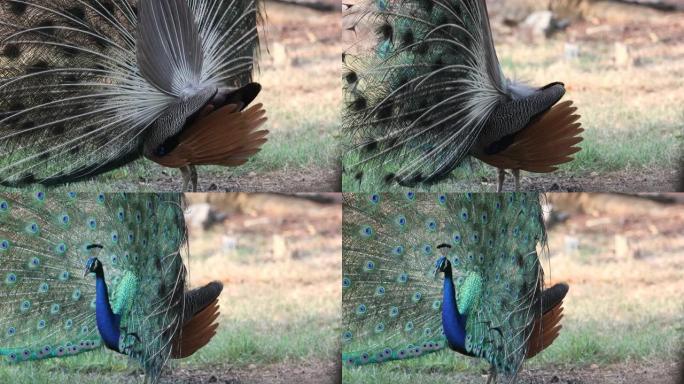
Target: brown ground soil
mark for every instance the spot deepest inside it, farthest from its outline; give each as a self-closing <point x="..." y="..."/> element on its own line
<point x="634" y="182"/>
<point x="290" y="181"/>
<point x="309" y="372"/>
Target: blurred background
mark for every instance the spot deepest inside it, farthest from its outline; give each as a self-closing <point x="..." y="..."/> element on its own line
<point x="623" y="257"/>
<point x="279" y="259"/>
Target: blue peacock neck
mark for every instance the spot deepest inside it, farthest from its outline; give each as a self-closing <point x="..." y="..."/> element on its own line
<point x="107" y="322"/>
<point x="453" y="322"/>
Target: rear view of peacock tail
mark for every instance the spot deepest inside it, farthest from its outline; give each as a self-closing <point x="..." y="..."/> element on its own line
<point x="83" y="271"/>
<point x="424" y="89"/>
<point x="424" y="272"/>
<point x="89" y="86"/>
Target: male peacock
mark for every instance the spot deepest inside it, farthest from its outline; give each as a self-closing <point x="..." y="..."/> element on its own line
<point x="132" y="298"/>
<point x="422" y="272"/>
<point x="89" y="86"/>
<point x="430" y="92"/>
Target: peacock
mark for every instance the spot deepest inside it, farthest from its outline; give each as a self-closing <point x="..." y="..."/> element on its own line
<point x="425" y="272"/>
<point x="88" y="86"/>
<point x="85" y="271"/>
<point x="424" y="90"/>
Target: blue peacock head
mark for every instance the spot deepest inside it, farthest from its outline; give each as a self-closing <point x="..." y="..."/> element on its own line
<point x="442" y="264"/>
<point x="93" y="265"/>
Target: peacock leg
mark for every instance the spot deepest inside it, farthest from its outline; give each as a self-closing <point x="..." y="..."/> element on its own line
<point x="491" y="379"/>
<point x="502" y="177"/>
<point x="189" y="174"/>
<point x="516" y="177"/>
<point x="193" y="174"/>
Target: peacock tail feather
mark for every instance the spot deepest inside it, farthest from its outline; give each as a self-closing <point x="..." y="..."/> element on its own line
<point x="47" y="306"/>
<point x="85" y="84"/>
<point x="392" y="296"/>
<point x="420" y="95"/>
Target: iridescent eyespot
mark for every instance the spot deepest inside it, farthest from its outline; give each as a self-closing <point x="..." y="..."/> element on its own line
<point x="464" y="214"/>
<point x="91" y="223"/>
<point x="60" y="248"/>
<point x="380" y="291"/>
<point x="101" y="198"/>
<point x="32" y="228"/>
<point x="409" y="326"/>
<point x="442" y="199"/>
<point x="431" y="224"/>
<point x="347" y="336"/>
<point x="346" y="282"/>
<point x="375" y="198"/>
<point x="369" y="266"/>
<point x="410" y="196"/>
<point x="427" y="249"/>
<point x="40" y="196"/>
<point x="361" y="309"/>
<point x="41" y="324"/>
<point x="4" y="206"/>
<point x="64" y="276"/>
<point x="4" y="245"/>
<point x="366" y="231"/>
<point x="398" y="250"/>
<point x="394" y="312"/>
<point x="416" y="297"/>
<point x="11" y="331"/>
<point x="401" y="220"/>
<point x="11" y="278"/>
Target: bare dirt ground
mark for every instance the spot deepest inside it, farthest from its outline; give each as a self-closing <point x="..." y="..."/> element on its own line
<point x="634" y="181"/>
<point x="313" y="372"/>
<point x="290" y="181"/>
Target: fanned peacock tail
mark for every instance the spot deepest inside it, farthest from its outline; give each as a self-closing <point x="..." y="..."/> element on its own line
<point x="85" y="85"/>
<point x="47" y="306"/>
<point x="422" y="94"/>
<point x="424" y="89"/>
<point x="393" y="296"/>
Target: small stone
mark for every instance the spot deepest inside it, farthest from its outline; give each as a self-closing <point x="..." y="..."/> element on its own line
<point x="540" y="24"/>
<point x="594" y="366"/>
<point x="212" y="379"/>
<point x="572" y="51"/>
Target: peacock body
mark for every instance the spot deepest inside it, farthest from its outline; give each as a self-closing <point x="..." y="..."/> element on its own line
<point x="132" y="298"/>
<point x="424" y="272"/>
<point x="424" y="90"/>
<point x="89" y="86"/>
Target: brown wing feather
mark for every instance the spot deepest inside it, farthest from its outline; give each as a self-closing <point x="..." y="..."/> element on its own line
<point x="545" y="330"/>
<point x="227" y="137"/>
<point x="543" y="145"/>
<point x="197" y="332"/>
